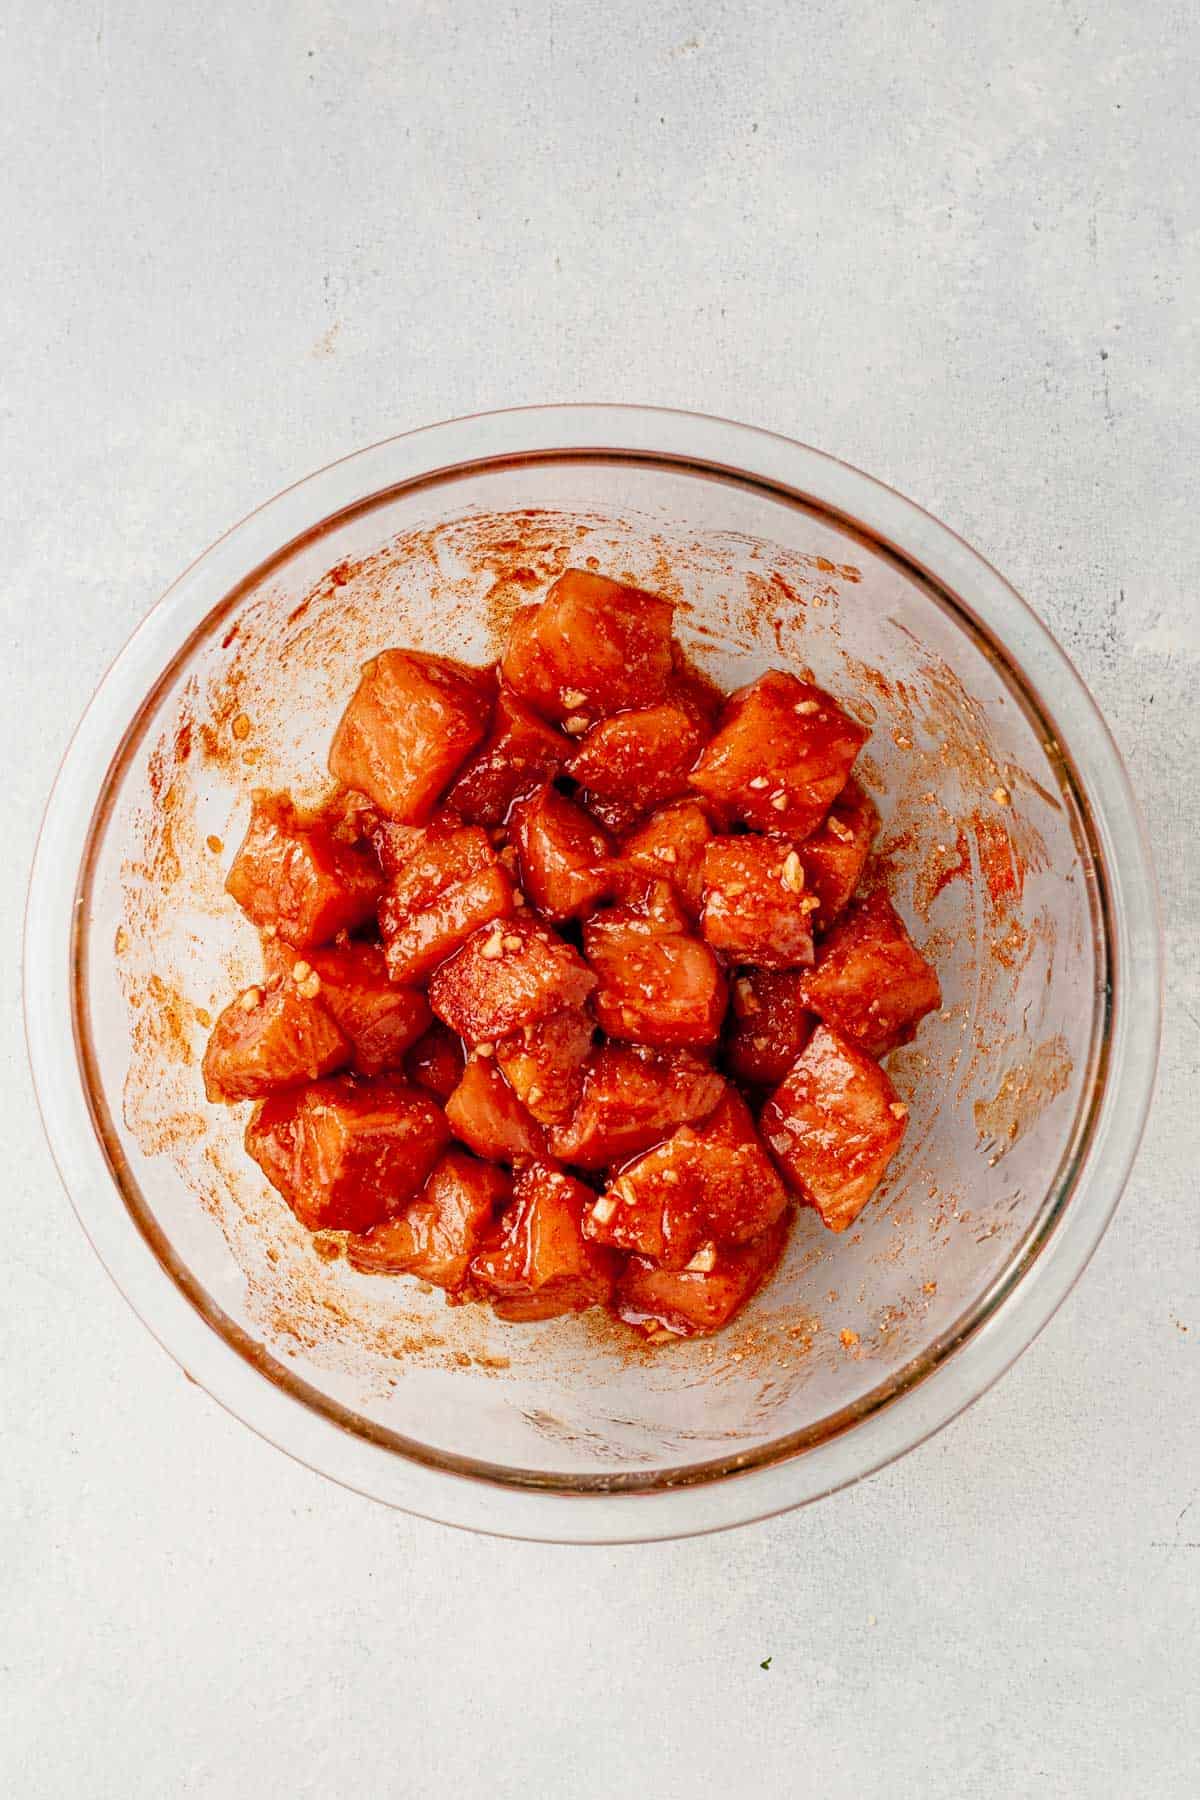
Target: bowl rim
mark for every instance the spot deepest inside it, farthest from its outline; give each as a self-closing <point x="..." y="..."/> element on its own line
<point x="1032" y="1285"/>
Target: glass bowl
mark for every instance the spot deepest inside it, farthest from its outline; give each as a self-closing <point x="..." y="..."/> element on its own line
<point x="1014" y="849"/>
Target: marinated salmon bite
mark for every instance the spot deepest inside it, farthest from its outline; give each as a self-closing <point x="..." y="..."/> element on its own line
<point x="570" y="996"/>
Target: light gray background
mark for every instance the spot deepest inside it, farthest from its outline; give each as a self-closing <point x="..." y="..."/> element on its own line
<point x="955" y="243"/>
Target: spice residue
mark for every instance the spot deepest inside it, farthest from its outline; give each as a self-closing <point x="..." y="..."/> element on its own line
<point x="1025" y="1092"/>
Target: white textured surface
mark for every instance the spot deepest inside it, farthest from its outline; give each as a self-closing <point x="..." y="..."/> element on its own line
<point x="955" y="244"/>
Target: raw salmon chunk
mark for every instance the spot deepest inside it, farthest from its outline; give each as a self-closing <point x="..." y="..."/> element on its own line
<point x="521" y="752"/>
<point x="544" y="1265"/>
<point x="450" y="883"/>
<point x="768" y="1025"/>
<point x="657" y="986"/>
<point x="448" y="1223"/>
<point x="833" y="1125"/>
<point x="268" y="1039"/>
<point x="486" y="1114"/>
<point x="633" y="1096"/>
<point x="436" y="1060"/>
<point x="346" y="1153"/>
<point x="835" y="856"/>
<point x="513" y="973"/>
<point x="781" y="755"/>
<point x="871" y="982"/>
<point x="693" y="1302"/>
<point x="564" y="856"/>
<point x="544" y="1063"/>
<point x="707" y="1184"/>
<point x="293" y="875"/>
<point x="592" y="647"/>
<point x="351" y="982"/>
<point x="411" y="724"/>
<point x="756" y="909"/>
<point x="628" y="764"/>
<point x="670" y="844"/>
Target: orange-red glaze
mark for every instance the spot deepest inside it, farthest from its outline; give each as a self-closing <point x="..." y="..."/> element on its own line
<point x="781" y="755"/>
<point x="871" y="982"/>
<point x="544" y="1265"/>
<point x="833" y="1125"/>
<point x="593" y="647"/>
<point x="345" y="1153"/>
<point x="707" y="1185"/>
<point x="756" y="907"/>
<point x="412" y="722"/>
<point x="380" y="1018"/>
<point x="295" y="875"/>
<point x="449" y="1222"/>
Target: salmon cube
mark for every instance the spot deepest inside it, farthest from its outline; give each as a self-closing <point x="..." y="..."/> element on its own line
<point x="706" y="1185"/>
<point x="835" y="856"/>
<point x="563" y="855"/>
<point x="295" y="876"/>
<point x="543" y="1265"/>
<point x="436" y="1061"/>
<point x="781" y="755"/>
<point x="351" y="982"/>
<point x="833" y="1125"/>
<point x="632" y="1097"/>
<point x="629" y="764"/>
<point x="871" y="982"/>
<point x="450" y="1221"/>
<point x="449" y="885"/>
<point x="410" y="726"/>
<point x="650" y="899"/>
<point x="671" y="843"/>
<point x="422" y="860"/>
<point x="346" y="1153"/>
<point x="755" y="907"/>
<point x="544" y="1063"/>
<point x="485" y="1113"/>
<point x="693" y="1302"/>
<point x="768" y="1025"/>
<point x="521" y="752"/>
<point x="592" y="647"/>
<point x="270" y="1039"/>
<point x="743" y="1194"/>
<point x="516" y="972"/>
<point x="656" y="985"/>
<point x="395" y="844"/>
